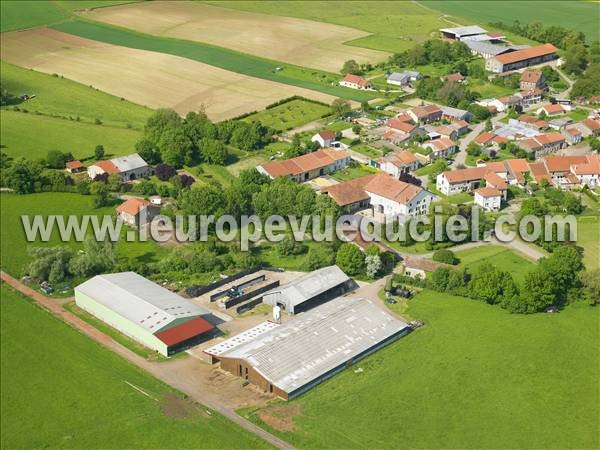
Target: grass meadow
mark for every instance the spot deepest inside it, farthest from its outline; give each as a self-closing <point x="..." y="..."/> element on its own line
<point x="474" y="376"/>
<point x="215" y="56"/>
<point x="500" y="257"/>
<point x="575" y="15"/>
<point x="290" y="115"/>
<point x="31" y="136"/>
<point x="76" y="394"/>
<point x="14" y="244"/>
<point x="62" y="97"/>
<point x="588" y="237"/>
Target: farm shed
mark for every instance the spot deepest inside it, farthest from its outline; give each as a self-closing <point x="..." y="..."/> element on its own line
<point x="290" y="359"/>
<point x="310" y="290"/>
<point x="144" y="311"/>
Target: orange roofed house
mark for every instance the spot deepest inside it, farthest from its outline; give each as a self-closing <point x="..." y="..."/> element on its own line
<point x="425" y="114"/>
<point x="397" y="163"/>
<point x="521" y="58"/>
<point x="306" y="167"/>
<point x="130" y="167"/>
<point x="387" y="196"/>
<point x="136" y="210"/>
<point x="74" y="166"/>
<point x="355" y="82"/>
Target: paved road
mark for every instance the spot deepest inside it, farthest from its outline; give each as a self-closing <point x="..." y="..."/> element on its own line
<point x="179" y="373"/>
<point x="477" y="130"/>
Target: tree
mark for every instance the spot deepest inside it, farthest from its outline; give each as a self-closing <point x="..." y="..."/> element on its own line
<point x="492" y="285"/>
<point x="594" y="143"/>
<point x="473" y="149"/>
<point x="99" y="151"/>
<point x="56" y="159"/>
<point x="159" y="122"/>
<point x="295" y="148"/>
<point x="445" y="256"/>
<point x="148" y="151"/>
<point x="373" y="265"/>
<point x="318" y="257"/>
<point x="22" y="176"/>
<point x="590" y="280"/>
<point x="176" y="149"/>
<point x="213" y="151"/>
<point x="164" y="172"/>
<point x="340" y="107"/>
<point x="50" y="263"/>
<point x="350" y="259"/>
<point x="575" y="59"/>
<point x="101" y="194"/>
<point x="352" y="67"/>
<point x="438" y="280"/>
<point x="290" y="247"/>
<point x="97" y="257"/>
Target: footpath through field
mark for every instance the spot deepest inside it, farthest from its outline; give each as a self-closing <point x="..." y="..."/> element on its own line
<point x="184" y="377"/>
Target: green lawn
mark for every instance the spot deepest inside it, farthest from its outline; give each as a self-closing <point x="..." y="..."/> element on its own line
<point x="367" y="151"/>
<point x="31" y="136"/>
<point x="474" y="376"/>
<point x="588" y="237"/>
<point x="14" y="244"/>
<point x="216" y="56"/>
<point x="578" y="114"/>
<point x="290" y="115"/>
<point x="270" y="257"/>
<point x="498" y="256"/>
<point x="488" y="90"/>
<point x="350" y="173"/>
<point x="575" y="15"/>
<point x="60" y="389"/>
<point x="62" y="97"/>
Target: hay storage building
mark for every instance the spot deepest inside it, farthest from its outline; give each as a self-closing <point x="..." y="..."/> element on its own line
<point x="310" y="290"/>
<point x="289" y="359"/>
<point x="144" y="311"/>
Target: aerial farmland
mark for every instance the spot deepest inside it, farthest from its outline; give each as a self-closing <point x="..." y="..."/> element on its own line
<point x="299" y="224"/>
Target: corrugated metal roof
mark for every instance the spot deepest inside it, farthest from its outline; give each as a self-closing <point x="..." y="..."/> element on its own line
<point x="309" y="285"/>
<point x="129" y="162"/>
<point x="302" y="350"/>
<point x="138" y="299"/>
<point x="462" y="31"/>
<point x="241" y="338"/>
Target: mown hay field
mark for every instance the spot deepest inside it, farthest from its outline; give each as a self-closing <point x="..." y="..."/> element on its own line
<point x="297" y="41"/>
<point x="290" y="115"/>
<point x="148" y="78"/>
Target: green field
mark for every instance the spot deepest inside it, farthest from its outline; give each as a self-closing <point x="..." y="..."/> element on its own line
<point x="216" y="56"/>
<point x="350" y="173"/>
<point x="474" y="377"/>
<point x="14" y="243"/>
<point x="290" y="115"/>
<point x="62" y="390"/>
<point x="22" y="14"/>
<point x="31" y="136"/>
<point x="588" y="237"/>
<point x="61" y="97"/>
<point x="500" y="257"/>
<point x="576" y="15"/>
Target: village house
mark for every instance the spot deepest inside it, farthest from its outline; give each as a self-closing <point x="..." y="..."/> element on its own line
<point x="588" y="174"/>
<point x="403" y="78"/>
<point x="391" y="198"/>
<point x="130" y="167"/>
<point x="401" y="126"/>
<point x="397" y="163"/>
<point x="543" y="143"/>
<point x="552" y="110"/>
<point x="74" y="166"/>
<point x="521" y="58"/>
<point x="501" y="104"/>
<point x="440" y="148"/>
<point x="425" y="114"/>
<point x="396" y="137"/>
<point x="532" y="122"/>
<point x="494" y="180"/>
<point x="488" y="198"/>
<point x="570" y="171"/>
<point x="518" y="171"/>
<point x="355" y="82"/>
<point x="488" y="138"/>
<point x="560" y="123"/>
<point x="136" y="211"/>
<point x="456" y="77"/>
<point x="350" y="195"/>
<point x="325" y="138"/>
<point x="306" y="167"/>
<point x="450" y="113"/>
<point x="573" y="135"/>
<point x="539" y="172"/>
<point x="447" y="131"/>
<point x="592" y="126"/>
<point x="532" y="79"/>
<point x="530" y="97"/>
<point x="453" y="182"/>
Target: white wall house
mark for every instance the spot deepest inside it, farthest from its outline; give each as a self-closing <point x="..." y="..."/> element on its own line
<point x="325" y="138"/>
<point x="488" y="198"/>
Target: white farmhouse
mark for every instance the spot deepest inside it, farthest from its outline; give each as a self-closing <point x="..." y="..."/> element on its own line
<point x="325" y="138"/>
<point x="488" y="198"/>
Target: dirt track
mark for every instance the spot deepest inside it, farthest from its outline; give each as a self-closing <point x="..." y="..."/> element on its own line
<point x="187" y="375"/>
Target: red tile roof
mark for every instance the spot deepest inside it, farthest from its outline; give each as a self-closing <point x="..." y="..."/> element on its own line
<point x="539" y="172"/>
<point x="349" y="192"/>
<point x="592" y="124"/>
<point x="454" y="77"/>
<point x="553" y="109"/>
<point x="400" y="125"/>
<point x="74" y="164"/>
<point x="497" y="182"/>
<point x="184" y="331"/>
<point x="549" y="138"/>
<point x="107" y="166"/>
<point x="327" y="134"/>
<point x="426" y="111"/>
<point x="441" y="144"/>
<point x="356" y="79"/>
<point x="564" y="163"/>
<point x="573" y="131"/>
<point x="463" y="175"/>
<point x="400" y="159"/>
<point x="386" y="186"/>
<point x="403" y="118"/>
<point x="484" y="138"/>
<point x="531" y="76"/>
<point x="305" y="163"/>
<point x="527" y="53"/>
<point x="487" y="191"/>
<point x="132" y="206"/>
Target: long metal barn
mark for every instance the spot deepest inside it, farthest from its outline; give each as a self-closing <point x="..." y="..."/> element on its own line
<point x="288" y="360"/>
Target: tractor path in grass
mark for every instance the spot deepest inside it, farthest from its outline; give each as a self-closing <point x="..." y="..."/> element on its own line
<point x="188" y="375"/>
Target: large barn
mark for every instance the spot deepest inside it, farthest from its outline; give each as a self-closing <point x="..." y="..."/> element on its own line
<point x="310" y="290"/>
<point x="289" y="359"/>
<point x="144" y="311"/>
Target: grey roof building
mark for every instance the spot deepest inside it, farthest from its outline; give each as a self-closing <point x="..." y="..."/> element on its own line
<point x="455" y="113"/>
<point x="488" y="50"/>
<point x="310" y="289"/>
<point x="403" y="78"/>
<point x="292" y="358"/>
<point x="143" y="310"/>
<point x="462" y="32"/>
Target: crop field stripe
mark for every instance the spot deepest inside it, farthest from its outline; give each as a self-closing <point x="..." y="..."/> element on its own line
<point x="208" y="54"/>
